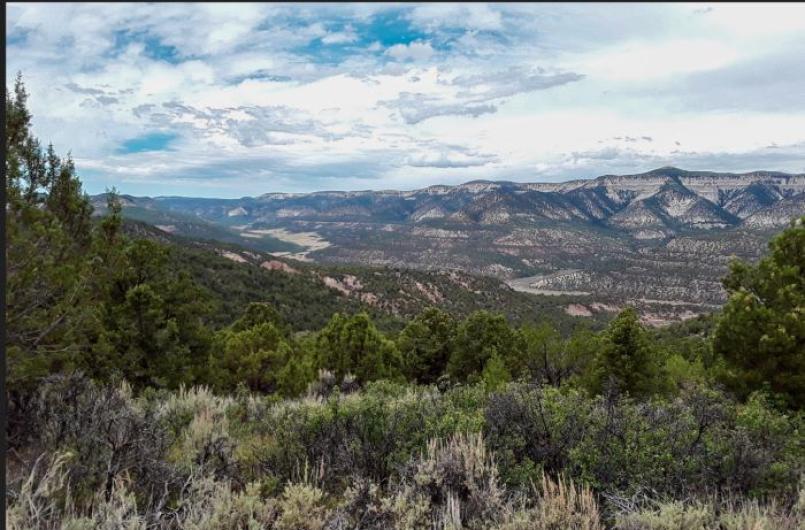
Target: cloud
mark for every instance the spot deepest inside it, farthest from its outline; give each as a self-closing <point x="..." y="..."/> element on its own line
<point x="82" y="90"/>
<point x="476" y="94"/>
<point x="415" y="51"/>
<point x="471" y="16"/>
<point x="144" y="110"/>
<point x="509" y="82"/>
<point x="249" y="126"/>
<point x="414" y="108"/>
<point x="633" y="139"/>
<point x="450" y="158"/>
<point x="260" y="97"/>
<point x="341" y="37"/>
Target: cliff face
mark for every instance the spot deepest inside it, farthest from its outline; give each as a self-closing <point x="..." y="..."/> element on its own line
<point x="667" y="200"/>
<point x="664" y="236"/>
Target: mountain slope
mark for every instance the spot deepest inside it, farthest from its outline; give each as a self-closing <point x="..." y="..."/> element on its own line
<point x="679" y="200"/>
<point x="308" y="294"/>
<point x="644" y="239"/>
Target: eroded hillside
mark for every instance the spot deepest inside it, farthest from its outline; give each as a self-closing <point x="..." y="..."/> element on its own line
<point x="660" y="240"/>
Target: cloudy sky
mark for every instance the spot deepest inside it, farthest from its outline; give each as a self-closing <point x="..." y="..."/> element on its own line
<point x="230" y="100"/>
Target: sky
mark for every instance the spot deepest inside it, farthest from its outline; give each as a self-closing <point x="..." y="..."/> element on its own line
<point x="230" y="100"/>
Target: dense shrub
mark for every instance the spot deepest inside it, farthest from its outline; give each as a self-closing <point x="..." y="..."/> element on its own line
<point x="396" y="456"/>
<point x="107" y="433"/>
<point x="692" y="444"/>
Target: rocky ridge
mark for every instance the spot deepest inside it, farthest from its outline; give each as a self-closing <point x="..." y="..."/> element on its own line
<point x="661" y="239"/>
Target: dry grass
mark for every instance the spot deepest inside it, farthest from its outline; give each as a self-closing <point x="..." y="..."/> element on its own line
<point x="730" y="515"/>
<point x="44" y="502"/>
<point x="560" y="504"/>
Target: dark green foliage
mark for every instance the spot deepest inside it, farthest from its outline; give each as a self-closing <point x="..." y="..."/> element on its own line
<point x="258" y="352"/>
<point x="353" y="345"/>
<point x="626" y="362"/>
<point x="495" y="374"/>
<point x="253" y="357"/>
<point x="761" y="332"/>
<point x="478" y="338"/>
<point x="297" y="374"/>
<point x="153" y="321"/>
<point x="696" y="443"/>
<point x="49" y="258"/>
<point x="425" y="345"/>
<point x="80" y="295"/>
<point x="548" y="357"/>
<point x="259" y="313"/>
<point x="534" y="429"/>
<point x="372" y="434"/>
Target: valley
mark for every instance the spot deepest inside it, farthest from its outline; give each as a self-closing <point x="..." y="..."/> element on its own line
<point x="659" y="240"/>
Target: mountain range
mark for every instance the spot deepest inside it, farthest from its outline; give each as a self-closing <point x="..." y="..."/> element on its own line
<point x="659" y="240"/>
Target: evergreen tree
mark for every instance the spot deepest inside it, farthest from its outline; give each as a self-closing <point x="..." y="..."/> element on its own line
<point x="260" y="313"/>
<point x="761" y="332"/>
<point x="625" y="362"/>
<point x="153" y="321"/>
<point x="353" y="345"/>
<point x="495" y="374"/>
<point x="253" y="356"/>
<point x="425" y="345"/>
<point x="49" y="258"/>
<point x="477" y="338"/>
<point x="541" y="353"/>
<point x="296" y="375"/>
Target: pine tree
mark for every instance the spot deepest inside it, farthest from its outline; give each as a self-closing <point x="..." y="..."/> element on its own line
<point x="625" y="362"/>
<point x="253" y="356"/>
<point x="425" y="345"/>
<point x="48" y="253"/>
<point x="495" y="374"/>
<point x="259" y="313"/>
<point x="761" y="332"/>
<point x="153" y="321"/>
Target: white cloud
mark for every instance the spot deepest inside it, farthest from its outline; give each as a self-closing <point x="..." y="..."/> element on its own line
<point x="341" y="37"/>
<point x="471" y="16"/>
<point x="758" y="19"/>
<point x="271" y="97"/>
<point x="643" y="61"/>
<point x="414" y="51"/>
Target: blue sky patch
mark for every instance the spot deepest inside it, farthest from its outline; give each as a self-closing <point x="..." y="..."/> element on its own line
<point x="156" y="141"/>
<point x="154" y="48"/>
<point x="389" y="29"/>
<point x="17" y="37"/>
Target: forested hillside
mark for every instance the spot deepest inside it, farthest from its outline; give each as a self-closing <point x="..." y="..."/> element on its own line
<point x="659" y="241"/>
<point x="307" y="294"/>
<point x="161" y="382"/>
